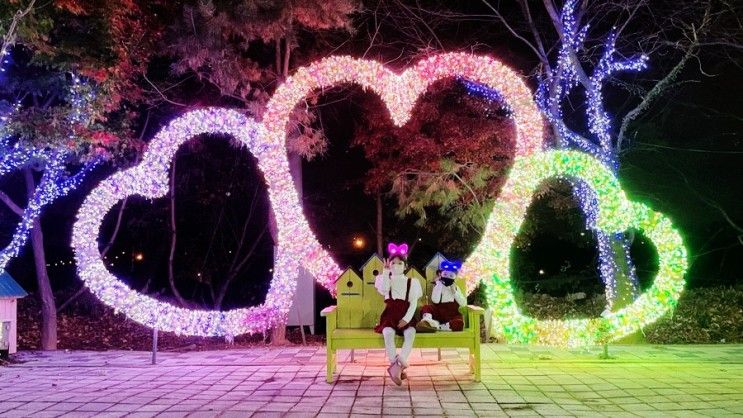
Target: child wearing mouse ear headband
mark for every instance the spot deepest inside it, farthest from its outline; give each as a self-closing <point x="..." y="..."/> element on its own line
<point x="401" y="296"/>
<point x="443" y="313"/>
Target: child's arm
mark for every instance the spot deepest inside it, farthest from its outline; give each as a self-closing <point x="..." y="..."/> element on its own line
<point x="415" y="293"/>
<point x="458" y="296"/>
<point x="436" y="293"/>
<point x="383" y="282"/>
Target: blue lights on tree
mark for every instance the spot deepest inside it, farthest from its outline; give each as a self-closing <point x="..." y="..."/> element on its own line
<point x="53" y="161"/>
<point x="555" y="85"/>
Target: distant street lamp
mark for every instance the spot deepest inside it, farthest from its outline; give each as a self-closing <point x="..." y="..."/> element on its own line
<point x="359" y="243"/>
<point x="139" y="256"/>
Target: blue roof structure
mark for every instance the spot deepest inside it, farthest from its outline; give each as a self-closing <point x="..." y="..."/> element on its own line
<point x="9" y="288"/>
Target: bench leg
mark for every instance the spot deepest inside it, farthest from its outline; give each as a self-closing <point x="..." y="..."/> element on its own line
<point x="475" y="362"/>
<point x="330" y="365"/>
<point x="439" y="354"/>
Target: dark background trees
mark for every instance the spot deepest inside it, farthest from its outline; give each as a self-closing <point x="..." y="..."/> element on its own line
<point x="430" y="180"/>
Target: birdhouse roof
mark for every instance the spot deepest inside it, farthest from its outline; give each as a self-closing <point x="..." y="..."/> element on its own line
<point x="9" y="288"/>
<point x="434" y="263"/>
<point x="371" y="258"/>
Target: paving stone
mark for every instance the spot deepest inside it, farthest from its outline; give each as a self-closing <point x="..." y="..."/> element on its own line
<point x="517" y="380"/>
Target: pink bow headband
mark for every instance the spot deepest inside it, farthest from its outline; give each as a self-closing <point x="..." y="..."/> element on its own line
<point x="397" y="249"/>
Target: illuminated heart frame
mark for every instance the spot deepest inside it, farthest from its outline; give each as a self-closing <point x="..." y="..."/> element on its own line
<point x="150" y="179"/>
<point x="399" y="92"/>
<point x="297" y="244"/>
<point x="616" y="214"/>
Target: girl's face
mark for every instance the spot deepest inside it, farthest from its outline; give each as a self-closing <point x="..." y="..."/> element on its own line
<point x="397" y="265"/>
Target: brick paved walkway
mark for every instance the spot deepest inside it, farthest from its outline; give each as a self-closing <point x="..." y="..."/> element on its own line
<point x="640" y="380"/>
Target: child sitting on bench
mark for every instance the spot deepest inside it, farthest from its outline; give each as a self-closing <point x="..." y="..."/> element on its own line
<point x="401" y="299"/>
<point x="443" y="313"/>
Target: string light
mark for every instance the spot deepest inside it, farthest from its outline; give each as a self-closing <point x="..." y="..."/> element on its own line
<point x="553" y="90"/>
<point x="615" y="214"/>
<point x="150" y="180"/>
<point x="296" y="240"/>
<point x="400" y="94"/>
<point x="55" y="182"/>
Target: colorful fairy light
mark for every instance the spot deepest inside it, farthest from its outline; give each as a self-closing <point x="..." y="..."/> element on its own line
<point x="553" y="90"/>
<point x="150" y="180"/>
<point x="55" y="181"/>
<point x="297" y="243"/>
<point x="615" y="214"/>
<point x="400" y="94"/>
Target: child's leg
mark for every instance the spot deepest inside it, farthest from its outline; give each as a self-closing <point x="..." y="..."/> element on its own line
<point x="427" y="320"/>
<point x="456" y="324"/>
<point x="407" y="345"/>
<point x="389" y="343"/>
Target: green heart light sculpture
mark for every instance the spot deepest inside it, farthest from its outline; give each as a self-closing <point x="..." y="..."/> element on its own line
<point x="616" y="214"/>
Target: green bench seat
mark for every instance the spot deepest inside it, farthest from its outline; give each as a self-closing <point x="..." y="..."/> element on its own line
<point x="350" y="323"/>
<point x="365" y="338"/>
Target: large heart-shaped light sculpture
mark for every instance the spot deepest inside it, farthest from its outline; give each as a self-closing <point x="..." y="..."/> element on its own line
<point x="150" y="179"/>
<point x="297" y="243"/>
<point x="616" y="214"/>
<point x="399" y="92"/>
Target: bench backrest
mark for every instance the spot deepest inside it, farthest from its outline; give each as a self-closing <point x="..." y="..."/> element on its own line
<point x="359" y="303"/>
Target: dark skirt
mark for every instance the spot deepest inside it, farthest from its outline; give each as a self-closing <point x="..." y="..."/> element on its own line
<point x="394" y="311"/>
<point x="446" y="312"/>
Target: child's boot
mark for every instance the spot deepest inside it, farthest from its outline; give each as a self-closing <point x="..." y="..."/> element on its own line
<point x="395" y="370"/>
<point x="427" y="324"/>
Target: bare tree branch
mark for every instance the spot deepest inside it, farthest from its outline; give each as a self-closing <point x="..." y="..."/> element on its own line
<point x="11" y="204"/>
<point x="10" y="34"/>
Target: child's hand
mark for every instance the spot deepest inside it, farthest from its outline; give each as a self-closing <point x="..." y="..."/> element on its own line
<point x="402" y="323"/>
<point x="387" y="264"/>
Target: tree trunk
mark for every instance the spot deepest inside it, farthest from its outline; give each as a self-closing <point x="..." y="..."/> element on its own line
<point x="173" y="236"/>
<point x="278" y="334"/>
<point x="614" y="266"/>
<point x="48" y="307"/>
<point x="380" y="243"/>
<point x="624" y="275"/>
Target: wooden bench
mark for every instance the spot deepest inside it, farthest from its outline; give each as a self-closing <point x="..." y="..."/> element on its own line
<point x="350" y="324"/>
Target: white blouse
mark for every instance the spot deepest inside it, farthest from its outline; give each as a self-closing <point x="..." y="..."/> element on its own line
<point x="399" y="285"/>
<point x="443" y="294"/>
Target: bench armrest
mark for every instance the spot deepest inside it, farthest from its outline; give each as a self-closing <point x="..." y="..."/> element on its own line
<point x="476" y="309"/>
<point x="330" y="310"/>
<point x="466" y="309"/>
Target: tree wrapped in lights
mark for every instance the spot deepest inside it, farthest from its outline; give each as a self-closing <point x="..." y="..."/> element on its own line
<point x="56" y="152"/>
<point x="21" y="153"/>
<point x="557" y="81"/>
<point x="67" y="70"/>
<point x="615" y="266"/>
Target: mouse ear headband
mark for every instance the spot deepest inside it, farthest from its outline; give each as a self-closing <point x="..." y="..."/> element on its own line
<point x="451" y="266"/>
<point x="399" y="250"/>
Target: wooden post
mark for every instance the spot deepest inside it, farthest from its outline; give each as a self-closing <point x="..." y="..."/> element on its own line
<point x="154" y="345"/>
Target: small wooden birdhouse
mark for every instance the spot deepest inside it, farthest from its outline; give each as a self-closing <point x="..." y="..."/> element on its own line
<point x="10" y="292"/>
<point x="373" y="301"/>
<point x="414" y="274"/>
<point x="349" y="292"/>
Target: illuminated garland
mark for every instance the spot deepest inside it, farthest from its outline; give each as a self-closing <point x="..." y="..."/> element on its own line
<point x="615" y="215"/>
<point x="150" y="179"/>
<point x="55" y="182"/>
<point x="400" y="94"/>
<point x="553" y="90"/>
<point x="297" y="243"/>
